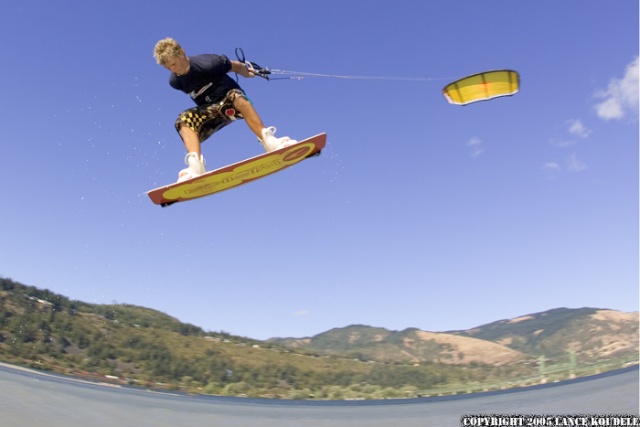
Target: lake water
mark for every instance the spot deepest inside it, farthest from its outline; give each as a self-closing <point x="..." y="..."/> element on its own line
<point x="29" y="399"/>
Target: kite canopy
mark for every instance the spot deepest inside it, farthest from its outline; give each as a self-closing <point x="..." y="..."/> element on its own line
<point x="482" y="87"/>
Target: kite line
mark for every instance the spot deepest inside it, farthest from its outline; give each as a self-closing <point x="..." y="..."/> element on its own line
<point x="274" y="74"/>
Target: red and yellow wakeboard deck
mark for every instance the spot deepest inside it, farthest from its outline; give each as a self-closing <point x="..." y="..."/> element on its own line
<point x="238" y="173"/>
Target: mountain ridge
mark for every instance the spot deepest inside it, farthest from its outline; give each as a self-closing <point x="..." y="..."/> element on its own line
<point x="591" y="332"/>
<point x="128" y="344"/>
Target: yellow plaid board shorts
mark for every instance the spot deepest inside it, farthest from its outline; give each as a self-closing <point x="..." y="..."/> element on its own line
<point x="207" y="119"/>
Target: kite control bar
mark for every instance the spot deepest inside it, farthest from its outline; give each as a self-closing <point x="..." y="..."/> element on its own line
<point x="252" y="66"/>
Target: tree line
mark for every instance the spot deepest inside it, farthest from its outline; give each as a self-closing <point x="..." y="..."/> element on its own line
<point x="145" y="347"/>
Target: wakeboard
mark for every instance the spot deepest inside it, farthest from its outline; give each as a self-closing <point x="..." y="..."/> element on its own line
<point x="239" y="173"/>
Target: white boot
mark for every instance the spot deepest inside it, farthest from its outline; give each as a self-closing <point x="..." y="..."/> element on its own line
<point x="196" y="167"/>
<point x="271" y="143"/>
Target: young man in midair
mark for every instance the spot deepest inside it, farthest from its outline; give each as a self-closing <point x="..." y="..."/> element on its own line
<point x="219" y="99"/>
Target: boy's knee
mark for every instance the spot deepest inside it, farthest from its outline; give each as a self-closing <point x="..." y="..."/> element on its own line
<point x="240" y="102"/>
<point x="184" y="128"/>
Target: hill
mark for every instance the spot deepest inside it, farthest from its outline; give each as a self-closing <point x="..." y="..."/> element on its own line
<point x="134" y="345"/>
<point x="590" y="334"/>
<point x="593" y="334"/>
<point x="408" y="346"/>
<point x="127" y="344"/>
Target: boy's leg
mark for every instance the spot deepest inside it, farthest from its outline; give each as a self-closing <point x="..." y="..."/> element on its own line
<point x="265" y="135"/>
<point x="188" y="125"/>
<point x="250" y="115"/>
<point x="190" y="139"/>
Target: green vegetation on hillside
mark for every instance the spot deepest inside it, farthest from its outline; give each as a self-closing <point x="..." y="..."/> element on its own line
<point x="140" y="346"/>
<point x="44" y="330"/>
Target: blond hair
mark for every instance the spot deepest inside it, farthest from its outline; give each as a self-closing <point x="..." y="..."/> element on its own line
<point x="166" y="49"/>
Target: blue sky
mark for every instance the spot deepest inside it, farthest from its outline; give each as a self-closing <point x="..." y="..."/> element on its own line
<point x="418" y="213"/>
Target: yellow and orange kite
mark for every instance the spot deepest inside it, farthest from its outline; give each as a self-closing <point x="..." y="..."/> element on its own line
<point x="482" y="87"/>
